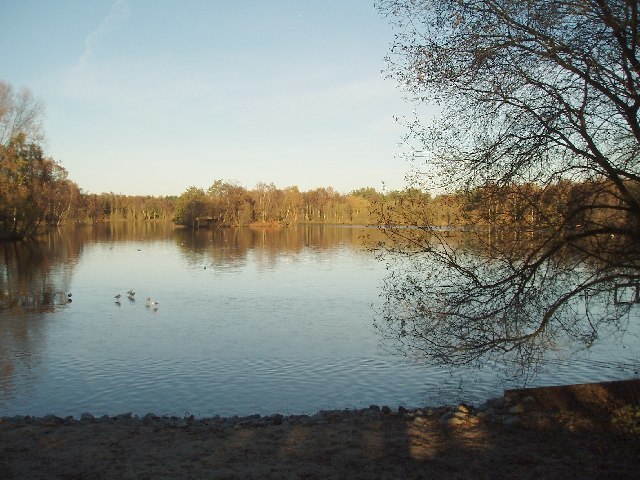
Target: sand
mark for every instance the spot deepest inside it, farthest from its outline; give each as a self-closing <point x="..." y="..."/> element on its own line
<point x="527" y="434"/>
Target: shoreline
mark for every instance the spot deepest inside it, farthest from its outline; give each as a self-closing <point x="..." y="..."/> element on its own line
<point x="577" y="431"/>
<point x="599" y="397"/>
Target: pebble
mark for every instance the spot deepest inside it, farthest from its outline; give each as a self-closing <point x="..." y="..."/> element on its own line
<point x="500" y="410"/>
<point x="455" y="421"/>
<point x="87" y="418"/>
<point x="402" y="410"/>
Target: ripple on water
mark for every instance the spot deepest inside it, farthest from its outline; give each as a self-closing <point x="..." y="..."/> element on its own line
<point x="242" y="386"/>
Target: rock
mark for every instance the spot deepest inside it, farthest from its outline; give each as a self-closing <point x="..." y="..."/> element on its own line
<point x="489" y="412"/>
<point x="386" y="410"/>
<point x="370" y="413"/>
<point x="447" y="415"/>
<point x="276" y="419"/>
<point x="170" y="421"/>
<point x="18" y="419"/>
<point x="402" y="411"/>
<point x="461" y="415"/>
<point x="297" y="419"/>
<point x="149" y="419"/>
<point x="511" y="421"/>
<point x="232" y="420"/>
<point x="375" y="408"/>
<point x="87" y="418"/>
<point x="463" y="408"/>
<point x="123" y="417"/>
<point x="517" y="408"/>
<point x="455" y="421"/>
<point x="51" y="420"/>
<point x="250" y="420"/>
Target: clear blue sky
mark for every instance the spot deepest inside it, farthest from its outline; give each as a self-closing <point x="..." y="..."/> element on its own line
<point x="153" y="96"/>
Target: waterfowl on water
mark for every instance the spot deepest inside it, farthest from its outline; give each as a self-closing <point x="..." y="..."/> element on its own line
<point x="151" y="303"/>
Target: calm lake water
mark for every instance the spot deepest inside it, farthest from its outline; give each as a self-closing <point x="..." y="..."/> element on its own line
<point x="248" y="321"/>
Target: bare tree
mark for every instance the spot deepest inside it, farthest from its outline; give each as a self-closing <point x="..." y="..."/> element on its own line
<point x="539" y="135"/>
<point x="20" y="114"/>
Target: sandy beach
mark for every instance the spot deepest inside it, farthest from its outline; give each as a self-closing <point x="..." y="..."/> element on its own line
<point x="586" y="432"/>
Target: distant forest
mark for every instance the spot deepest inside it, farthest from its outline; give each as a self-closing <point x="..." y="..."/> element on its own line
<point x="35" y="193"/>
<point x="53" y="199"/>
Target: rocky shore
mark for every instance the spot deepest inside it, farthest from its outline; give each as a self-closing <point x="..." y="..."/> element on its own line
<point x="497" y="410"/>
<point x="583" y="431"/>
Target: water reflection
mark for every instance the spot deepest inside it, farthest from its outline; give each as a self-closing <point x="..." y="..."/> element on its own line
<point x="481" y="297"/>
<point x="35" y="275"/>
<point x="280" y="320"/>
<point x="228" y="247"/>
<point x="262" y="295"/>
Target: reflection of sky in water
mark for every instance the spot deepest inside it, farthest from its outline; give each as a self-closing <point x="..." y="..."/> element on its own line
<point x="271" y="324"/>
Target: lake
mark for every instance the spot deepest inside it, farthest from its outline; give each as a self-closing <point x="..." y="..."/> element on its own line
<point x="247" y="321"/>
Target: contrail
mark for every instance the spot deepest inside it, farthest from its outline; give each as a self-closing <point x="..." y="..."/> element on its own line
<point x="118" y="13"/>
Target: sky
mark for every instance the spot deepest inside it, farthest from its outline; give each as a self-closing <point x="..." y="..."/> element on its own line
<point x="150" y="97"/>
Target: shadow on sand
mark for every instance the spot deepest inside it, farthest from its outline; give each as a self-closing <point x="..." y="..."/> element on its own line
<point x="569" y="434"/>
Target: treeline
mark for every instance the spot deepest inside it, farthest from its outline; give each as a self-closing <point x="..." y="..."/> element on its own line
<point x="35" y="192"/>
<point x="229" y="204"/>
<point x="593" y="205"/>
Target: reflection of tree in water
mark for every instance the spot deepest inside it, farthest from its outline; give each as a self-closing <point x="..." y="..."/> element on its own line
<point x="34" y="279"/>
<point x="225" y="247"/>
<point x="35" y="274"/>
<point x="454" y="302"/>
<point x="129" y="231"/>
<point x="537" y="138"/>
